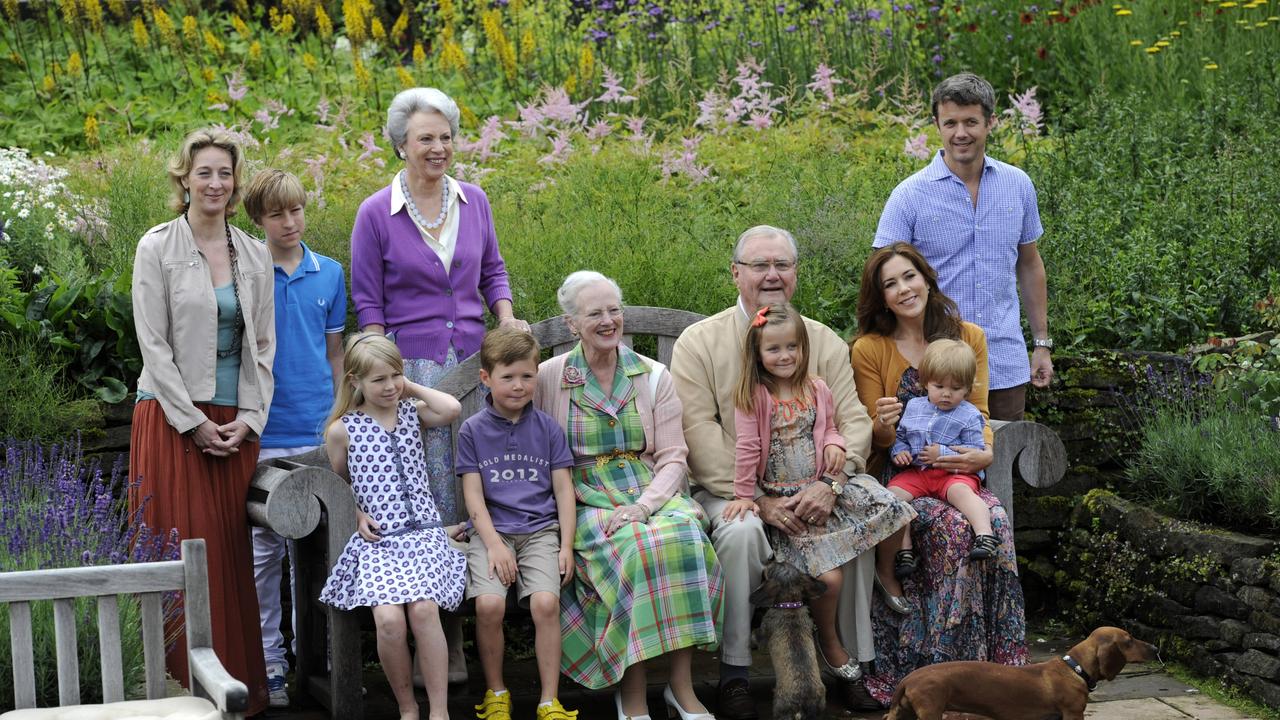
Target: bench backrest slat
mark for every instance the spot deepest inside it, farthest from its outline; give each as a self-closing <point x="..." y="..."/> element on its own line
<point x="152" y="609"/>
<point x="109" y="649"/>
<point x="95" y="580"/>
<point x="22" y="646"/>
<point x="64" y="632"/>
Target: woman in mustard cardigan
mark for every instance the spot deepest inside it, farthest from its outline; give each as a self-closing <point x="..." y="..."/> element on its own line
<point x="961" y="610"/>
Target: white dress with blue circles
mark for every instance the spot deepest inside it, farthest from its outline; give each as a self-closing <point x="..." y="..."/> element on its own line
<point x="413" y="560"/>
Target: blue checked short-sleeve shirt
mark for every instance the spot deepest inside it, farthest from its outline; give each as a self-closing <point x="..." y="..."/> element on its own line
<point x="923" y="424"/>
<point x="974" y="250"/>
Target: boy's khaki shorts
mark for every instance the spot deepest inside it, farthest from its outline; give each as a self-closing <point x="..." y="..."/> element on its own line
<point x="536" y="558"/>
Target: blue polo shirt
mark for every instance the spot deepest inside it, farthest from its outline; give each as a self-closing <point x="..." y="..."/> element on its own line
<point x="310" y="304"/>
<point x="514" y="460"/>
<point x="974" y="250"/>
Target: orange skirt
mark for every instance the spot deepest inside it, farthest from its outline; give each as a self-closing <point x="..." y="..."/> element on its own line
<point x="204" y="497"/>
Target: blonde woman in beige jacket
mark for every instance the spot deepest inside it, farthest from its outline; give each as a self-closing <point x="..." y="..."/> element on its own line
<point x="204" y="312"/>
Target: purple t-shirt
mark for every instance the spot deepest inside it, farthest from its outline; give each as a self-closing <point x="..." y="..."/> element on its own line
<point x="514" y="461"/>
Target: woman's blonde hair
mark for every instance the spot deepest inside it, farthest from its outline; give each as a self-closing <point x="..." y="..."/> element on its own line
<point x="753" y="372"/>
<point x="363" y="350"/>
<point x="181" y="163"/>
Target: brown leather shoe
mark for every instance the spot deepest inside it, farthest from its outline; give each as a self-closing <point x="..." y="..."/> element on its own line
<point x="733" y="701"/>
<point x="857" y="698"/>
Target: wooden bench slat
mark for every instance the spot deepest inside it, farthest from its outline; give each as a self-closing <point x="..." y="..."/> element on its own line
<point x="64" y="632"/>
<point x="24" y="666"/>
<point x="94" y="580"/>
<point x="109" y="649"/>
<point x="152" y="605"/>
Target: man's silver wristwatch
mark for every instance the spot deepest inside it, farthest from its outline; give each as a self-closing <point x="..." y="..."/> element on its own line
<point x="1046" y="343"/>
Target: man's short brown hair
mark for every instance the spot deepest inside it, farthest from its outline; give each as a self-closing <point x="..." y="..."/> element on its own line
<point x="507" y="346"/>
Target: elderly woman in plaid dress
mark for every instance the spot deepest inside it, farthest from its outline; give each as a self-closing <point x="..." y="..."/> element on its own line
<point x="647" y="581"/>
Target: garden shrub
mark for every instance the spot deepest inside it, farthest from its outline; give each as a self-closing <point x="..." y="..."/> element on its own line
<point x="35" y="401"/>
<point x="57" y="510"/>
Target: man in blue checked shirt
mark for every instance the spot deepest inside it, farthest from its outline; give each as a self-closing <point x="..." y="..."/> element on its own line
<point x="975" y="220"/>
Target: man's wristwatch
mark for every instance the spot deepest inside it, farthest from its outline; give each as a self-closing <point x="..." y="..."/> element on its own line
<point x="1046" y="343"/>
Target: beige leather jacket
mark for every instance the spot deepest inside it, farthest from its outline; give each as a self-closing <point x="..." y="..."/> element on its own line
<point x="176" y="318"/>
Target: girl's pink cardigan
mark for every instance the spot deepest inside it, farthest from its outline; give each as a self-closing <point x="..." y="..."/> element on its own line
<point x="752" y="448"/>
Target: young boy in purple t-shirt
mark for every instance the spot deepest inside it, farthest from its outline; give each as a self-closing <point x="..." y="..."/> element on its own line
<point x="515" y="467"/>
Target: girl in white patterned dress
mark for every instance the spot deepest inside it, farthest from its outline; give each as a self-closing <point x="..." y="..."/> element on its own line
<point x="399" y="562"/>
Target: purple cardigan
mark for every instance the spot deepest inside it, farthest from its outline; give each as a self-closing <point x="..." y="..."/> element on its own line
<point x="398" y="282"/>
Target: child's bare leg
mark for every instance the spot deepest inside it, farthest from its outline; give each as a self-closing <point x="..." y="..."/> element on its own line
<point x="886" y="556"/>
<point x="823" y="608"/>
<point x="490" y="610"/>
<point x="545" y="608"/>
<point x="393" y="653"/>
<point x="907" y="497"/>
<point x="971" y="506"/>
<point x="433" y="656"/>
<point x="681" y="681"/>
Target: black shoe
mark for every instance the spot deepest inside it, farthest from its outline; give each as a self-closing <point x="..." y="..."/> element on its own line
<point x="733" y="701"/>
<point x="858" y="699"/>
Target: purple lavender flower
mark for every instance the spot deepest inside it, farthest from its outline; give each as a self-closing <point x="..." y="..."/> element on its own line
<point x="790" y="28"/>
<point x="874" y="14"/>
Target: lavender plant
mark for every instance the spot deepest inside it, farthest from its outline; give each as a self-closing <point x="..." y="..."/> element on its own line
<point x="58" y="509"/>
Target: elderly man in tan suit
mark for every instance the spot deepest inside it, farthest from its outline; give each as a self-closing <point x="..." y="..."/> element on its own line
<point x="706" y="364"/>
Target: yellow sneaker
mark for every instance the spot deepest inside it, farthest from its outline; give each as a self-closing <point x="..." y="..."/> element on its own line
<point x="494" y="707"/>
<point x="555" y="711"/>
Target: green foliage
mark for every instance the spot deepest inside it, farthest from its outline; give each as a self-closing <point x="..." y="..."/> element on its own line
<point x="1248" y="375"/>
<point x="35" y="399"/>
<point x="1203" y="458"/>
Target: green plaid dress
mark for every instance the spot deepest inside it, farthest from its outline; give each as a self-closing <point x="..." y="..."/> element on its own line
<point x="649" y="588"/>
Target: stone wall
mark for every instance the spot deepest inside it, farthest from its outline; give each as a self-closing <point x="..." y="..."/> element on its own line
<point x="1209" y="598"/>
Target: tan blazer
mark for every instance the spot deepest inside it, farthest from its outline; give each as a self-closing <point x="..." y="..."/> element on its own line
<point x="176" y="319"/>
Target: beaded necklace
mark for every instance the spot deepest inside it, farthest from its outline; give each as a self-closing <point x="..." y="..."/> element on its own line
<point x="413" y="207"/>
<point x="235" y="284"/>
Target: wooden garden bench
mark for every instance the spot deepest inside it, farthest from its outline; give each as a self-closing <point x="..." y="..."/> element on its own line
<point x="214" y="690"/>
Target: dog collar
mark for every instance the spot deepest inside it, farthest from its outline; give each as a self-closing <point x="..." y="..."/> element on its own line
<point x="793" y="605"/>
<point x="1075" y="667"/>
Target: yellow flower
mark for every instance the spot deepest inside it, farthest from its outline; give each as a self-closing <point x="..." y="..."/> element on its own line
<point x="240" y="6"/>
<point x="571" y="83"/>
<point x="75" y="65"/>
<point x="286" y="24"/>
<point x="208" y="74"/>
<point x="469" y="118"/>
<point x="1261" y="24"/>
<point x="93" y="13"/>
<point x="11" y="10"/>
<point x="241" y="28"/>
<point x="1136" y="43"/>
<point x="451" y="56"/>
<point x="70" y="11"/>
<point x="1153" y="50"/>
<point x="212" y="97"/>
<point x="118" y="9"/>
<point x="405" y="77"/>
<point x="1124" y="11"/>
<point x="255" y="51"/>
<point x="363" y="78"/>
<point x="1175" y="33"/>
<point x="378" y="32"/>
<point x="419" y="54"/>
<point x="324" y="25"/>
<point x="446" y="11"/>
<point x="517" y="6"/>
<point x="141" y="37"/>
<point x="1162" y="43"/>
<point x="190" y="30"/>
<point x="586" y="63"/>
<point x="401" y="24"/>
<point x="1228" y="4"/>
<point x="1211" y="66"/>
<point x="48" y="84"/>
<point x="164" y="26"/>
<point x="353" y="20"/>
<point x="1054" y="12"/>
<point x="527" y="47"/>
<point x="498" y="42"/>
<point x="91" y="131"/>
<point x="215" y="45"/>
<point x="309" y="61"/>
<point x="1116" y="7"/>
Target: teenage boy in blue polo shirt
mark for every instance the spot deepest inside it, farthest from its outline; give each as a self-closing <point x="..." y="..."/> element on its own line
<point x="515" y="466"/>
<point x="311" y="309"/>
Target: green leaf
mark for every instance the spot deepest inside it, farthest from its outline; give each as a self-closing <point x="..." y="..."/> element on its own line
<point x="111" y="390"/>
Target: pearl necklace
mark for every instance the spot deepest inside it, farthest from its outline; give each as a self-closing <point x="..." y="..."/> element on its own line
<point x="413" y="208"/>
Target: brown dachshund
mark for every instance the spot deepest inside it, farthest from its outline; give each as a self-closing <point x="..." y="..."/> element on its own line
<point x="1058" y="688"/>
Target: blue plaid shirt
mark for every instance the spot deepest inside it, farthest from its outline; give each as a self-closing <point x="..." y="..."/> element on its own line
<point x="974" y="250"/>
<point x="922" y="425"/>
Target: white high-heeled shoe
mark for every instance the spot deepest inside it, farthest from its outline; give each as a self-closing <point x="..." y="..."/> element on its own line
<point x="617" y="701"/>
<point x="673" y="704"/>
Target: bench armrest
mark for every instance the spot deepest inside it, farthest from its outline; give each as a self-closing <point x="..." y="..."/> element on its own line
<point x="212" y="681"/>
<point x="1031" y="451"/>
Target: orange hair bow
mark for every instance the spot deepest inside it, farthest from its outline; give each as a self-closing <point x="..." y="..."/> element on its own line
<point x="760" y="318"/>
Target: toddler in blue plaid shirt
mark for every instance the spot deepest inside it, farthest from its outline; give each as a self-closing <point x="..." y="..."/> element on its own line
<point x="932" y="426"/>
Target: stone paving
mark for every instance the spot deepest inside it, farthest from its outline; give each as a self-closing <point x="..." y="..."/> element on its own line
<point x="1141" y="692"/>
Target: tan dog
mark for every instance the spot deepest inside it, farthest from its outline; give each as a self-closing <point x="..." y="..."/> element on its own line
<point x="1042" y="691"/>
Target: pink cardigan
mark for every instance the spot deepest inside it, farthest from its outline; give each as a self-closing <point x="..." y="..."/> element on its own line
<point x="751" y="451"/>
<point x="664" y="450"/>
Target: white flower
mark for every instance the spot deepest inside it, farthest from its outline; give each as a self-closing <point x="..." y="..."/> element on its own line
<point x="37" y="269"/>
<point x="342" y="44"/>
<point x="24" y="212"/>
